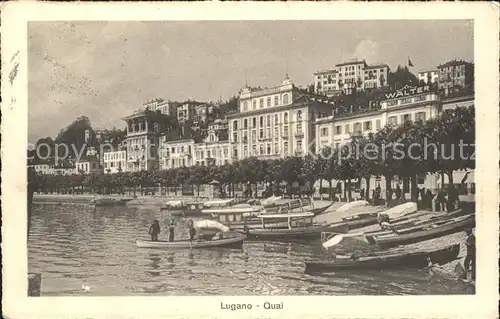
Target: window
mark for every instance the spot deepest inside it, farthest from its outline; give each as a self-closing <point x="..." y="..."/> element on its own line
<point x="420" y="116"/>
<point x="268" y="148"/>
<point x="245" y="137"/>
<point x="268" y="101"/>
<point x="254" y="104"/>
<point x="268" y="133"/>
<point x="357" y="127"/>
<point x="276" y="150"/>
<point x="235" y="152"/>
<point x="405" y="118"/>
<point x="285" y="99"/>
<point x="235" y="125"/>
<point x="299" y="128"/>
<point x="235" y="137"/>
<point x="261" y="149"/>
<point x="347" y="129"/>
<point x="254" y="149"/>
<point x="338" y="129"/>
<point x="202" y="154"/>
<point x="285" y="130"/>
<point x="268" y="120"/>
<point x="378" y="125"/>
<point x="245" y="150"/>
<point x="299" y="115"/>
<point x="324" y="131"/>
<point x="245" y="124"/>
<point x="285" y="147"/>
<point x="276" y="100"/>
<point x="261" y="103"/>
<point x="261" y="121"/>
<point x="225" y="152"/>
<point x="261" y="133"/>
<point x="276" y="119"/>
<point x="276" y="132"/>
<point x="393" y="120"/>
<point x="285" y="118"/>
<point x="367" y="126"/>
<point x="254" y="136"/>
<point x="299" y="146"/>
<point x="254" y="122"/>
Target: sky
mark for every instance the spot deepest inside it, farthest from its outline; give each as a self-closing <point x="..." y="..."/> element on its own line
<point x="106" y="70"/>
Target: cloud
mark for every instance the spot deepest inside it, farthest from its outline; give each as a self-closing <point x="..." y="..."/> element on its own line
<point x="368" y="50"/>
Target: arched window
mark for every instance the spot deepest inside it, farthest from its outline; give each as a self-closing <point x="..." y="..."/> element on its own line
<point x="245" y="106"/>
<point x="235" y="125"/>
<point x="285" y="118"/>
<point x="254" y="122"/>
<point x="261" y="121"/>
<point x="245" y="124"/>
<point x="299" y="115"/>
<point x="285" y="98"/>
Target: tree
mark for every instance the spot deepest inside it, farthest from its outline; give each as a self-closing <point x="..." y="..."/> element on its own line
<point x="401" y="77"/>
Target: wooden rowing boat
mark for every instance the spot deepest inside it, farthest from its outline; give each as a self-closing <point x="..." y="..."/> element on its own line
<point x="235" y="241"/>
<point x="418" y="259"/>
<point x="423" y="232"/>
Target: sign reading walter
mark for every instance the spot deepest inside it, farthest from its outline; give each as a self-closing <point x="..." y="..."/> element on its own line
<point x="408" y="91"/>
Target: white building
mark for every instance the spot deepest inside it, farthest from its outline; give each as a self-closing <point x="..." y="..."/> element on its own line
<point x="348" y="76"/>
<point x="213" y="150"/>
<point x="428" y="76"/>
<point x="89" y="165"/>
<point x="115" y="162"/>
<point x="274" y="122"/>
<point x="406" y="104"/>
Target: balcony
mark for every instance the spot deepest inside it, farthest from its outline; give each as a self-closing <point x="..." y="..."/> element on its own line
<point x="299" y="134"/>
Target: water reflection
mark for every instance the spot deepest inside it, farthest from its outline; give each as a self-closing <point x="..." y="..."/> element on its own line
<point x="72" y="244"/>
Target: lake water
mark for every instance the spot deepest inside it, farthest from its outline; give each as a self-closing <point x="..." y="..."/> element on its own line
<point x="71" y="245"/>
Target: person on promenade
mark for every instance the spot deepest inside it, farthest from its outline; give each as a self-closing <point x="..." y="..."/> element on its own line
<point x="439" y="201"/>
<point x="171" y="231"/>
<point x="453" y="198"/>
<point x="470" y="258"/>
<point x="398" y="192"/>
<point x="428" y="199"/>
<point x="191" y="230"/>
<point x="154" y="230"/>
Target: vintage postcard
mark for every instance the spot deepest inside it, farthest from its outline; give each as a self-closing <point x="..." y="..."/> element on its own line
<point x="250" y="160"/>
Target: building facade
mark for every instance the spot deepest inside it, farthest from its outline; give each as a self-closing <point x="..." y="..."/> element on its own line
<point x="406" y="104"/>
<point x="274" y="122"/>
<point x="428" y="76"/>
<point x="115" y="162"/>
<point x="89" y="165"/>
<point x="213" y="150"/>
<point x="143" y="139"/>
<point x="455" y="75"/>
<point x="160" y="105"/>
<point x="349" y="76"/>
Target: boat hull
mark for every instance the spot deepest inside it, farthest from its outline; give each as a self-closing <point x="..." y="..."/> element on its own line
<point x="294" y="233"/>
<point x="235" y="242"/>
<point x="392" y="240"/>
<point x="403" y="260"/>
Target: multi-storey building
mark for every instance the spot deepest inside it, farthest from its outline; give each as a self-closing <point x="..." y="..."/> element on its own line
<point x="349" y="76"/>
<point x="274" y="122"/>
<point x="89" y="165"/>
<point x="406" y="104"/>
<point x="115" y="161"/>
<point x="455" y="75"/>
<point x="428" y="76"/>
<point x="160" y="105"/>
<point x="214" y="149"/>
<point x="143" y="139"/>
<point x="187" y="111"/>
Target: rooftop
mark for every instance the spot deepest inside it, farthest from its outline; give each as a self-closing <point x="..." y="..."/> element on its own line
<point x="453" y="63"/>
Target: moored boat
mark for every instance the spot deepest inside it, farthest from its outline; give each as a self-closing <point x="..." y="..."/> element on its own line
<point x="299" y="225"/>
<point x="425" y="231"/>
<point x="416" y="259"/>
<point x="234" y="241"/>
<point x="108" y="201"/>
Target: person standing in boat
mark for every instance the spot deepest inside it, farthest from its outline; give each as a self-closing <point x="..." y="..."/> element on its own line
<point x="171" y="230"/>
<point x="470" y="258"/>
<point x="154" y="230"/>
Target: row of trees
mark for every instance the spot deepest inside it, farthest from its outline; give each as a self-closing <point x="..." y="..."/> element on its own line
<point x="442" y="145"/>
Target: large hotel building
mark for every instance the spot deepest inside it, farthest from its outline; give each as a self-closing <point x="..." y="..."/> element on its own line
<point x="274" y="122"/>
<point x="406" y="104"/>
